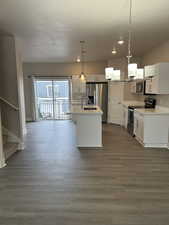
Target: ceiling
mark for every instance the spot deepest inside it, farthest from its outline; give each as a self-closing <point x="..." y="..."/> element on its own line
<point x="51" y="30"/>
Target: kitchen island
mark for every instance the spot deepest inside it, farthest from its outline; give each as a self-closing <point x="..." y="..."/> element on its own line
<point x="88" y="121"/>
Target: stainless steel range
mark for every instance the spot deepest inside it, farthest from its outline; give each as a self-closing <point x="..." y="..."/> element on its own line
<point x="149" y="103"/>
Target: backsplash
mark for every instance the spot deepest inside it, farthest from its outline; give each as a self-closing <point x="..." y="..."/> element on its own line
<point x="163" y="100"/>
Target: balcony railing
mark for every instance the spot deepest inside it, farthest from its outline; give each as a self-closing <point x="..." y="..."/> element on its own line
<point x="54" y="109"/>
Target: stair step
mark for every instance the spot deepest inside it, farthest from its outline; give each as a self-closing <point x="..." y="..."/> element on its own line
<point x="9" y="149"/>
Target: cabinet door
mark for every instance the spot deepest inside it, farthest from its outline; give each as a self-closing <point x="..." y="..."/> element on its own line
<point x="146" y="71"/>
<point x="155" y="84"/>
<point x="141" y="128"/>
<point x="135" y="125"/>
<point x="149" y="87"/>
<point x="133" y="87"/>
<point x="152" y="85"/>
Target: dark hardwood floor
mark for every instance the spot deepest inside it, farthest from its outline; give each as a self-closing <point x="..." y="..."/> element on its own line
<point x="51" y="182"/>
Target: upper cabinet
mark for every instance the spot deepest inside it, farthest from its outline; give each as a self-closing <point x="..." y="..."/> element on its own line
<point x="157" y="78"/>
<point x="133" y="87"/>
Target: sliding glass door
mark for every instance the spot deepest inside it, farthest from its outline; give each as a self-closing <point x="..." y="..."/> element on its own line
<point x="52" y="99"/>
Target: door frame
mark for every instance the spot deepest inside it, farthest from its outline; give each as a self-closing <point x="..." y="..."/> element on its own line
<point x="34" y="91"/>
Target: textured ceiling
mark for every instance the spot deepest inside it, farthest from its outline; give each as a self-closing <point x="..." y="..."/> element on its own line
<point x="51" y="30"/>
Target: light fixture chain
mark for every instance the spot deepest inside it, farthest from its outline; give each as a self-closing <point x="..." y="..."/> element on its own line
<point x="130" y="33"/>
<point x="82" y="56"/>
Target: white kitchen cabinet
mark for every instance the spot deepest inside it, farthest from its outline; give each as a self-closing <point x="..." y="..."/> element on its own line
<point x="152" y="85"/>
<point x="133" y="87"/>
<point x="139" y="126"/>
<point x="157" y="85"/>
<point x="157" y="69"/>
<point x="151" y="130"/>
<point x="159" y="81"/>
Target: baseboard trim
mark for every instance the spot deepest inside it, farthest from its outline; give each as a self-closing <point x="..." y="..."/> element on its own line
<point x="153" y="145"/>
<point x="28" y="119"/>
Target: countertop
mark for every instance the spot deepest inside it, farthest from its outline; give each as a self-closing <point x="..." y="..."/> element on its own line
<point x="133" y="103"/>
<point x="77" y="109"/>
<point x="156" y="111"/>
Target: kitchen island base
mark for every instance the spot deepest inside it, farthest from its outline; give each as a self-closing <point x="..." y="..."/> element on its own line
<point x="88" y="128"/>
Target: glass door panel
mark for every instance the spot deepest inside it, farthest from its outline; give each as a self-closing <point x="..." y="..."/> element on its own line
<point x="61" y="99"/>
<point x="52" y="99"/>
<point x="44" y="99"/>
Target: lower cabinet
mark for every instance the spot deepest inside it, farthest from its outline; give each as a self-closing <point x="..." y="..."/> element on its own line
<point x="139" y="127"/>
<point x="152" y="130"/>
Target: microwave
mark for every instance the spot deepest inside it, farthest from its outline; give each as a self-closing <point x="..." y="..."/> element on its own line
<point x="140" y="87"/>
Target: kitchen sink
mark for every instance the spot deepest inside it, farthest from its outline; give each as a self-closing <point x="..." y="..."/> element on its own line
<point x="90" y="108"/>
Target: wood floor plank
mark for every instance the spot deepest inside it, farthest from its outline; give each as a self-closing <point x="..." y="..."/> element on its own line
<point x="51" y="182"/>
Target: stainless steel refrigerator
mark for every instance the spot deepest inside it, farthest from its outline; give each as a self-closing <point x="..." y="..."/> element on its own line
<point x="97" y="94"/>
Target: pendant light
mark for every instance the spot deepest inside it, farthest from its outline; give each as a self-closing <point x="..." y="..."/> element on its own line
<point x="78" y="59"/>
<point x="114" y="51"/>
<point x="82" y="75"/>
<point x="132" y="67"/>
<point x="120" y="41"/>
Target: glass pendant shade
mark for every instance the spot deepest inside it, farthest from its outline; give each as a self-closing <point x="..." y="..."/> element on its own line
<point x="109" y="73"/>
<point x="120" y="41"/>
<point x="116" y="75"/>
<point x="82" y="77"/>
<point x="132" y="70"/>
<point x="114" y="51"/>
<point x="140" y="74"/>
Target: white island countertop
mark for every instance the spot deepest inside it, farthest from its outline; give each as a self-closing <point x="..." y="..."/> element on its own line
<point x="78" y="109"/>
